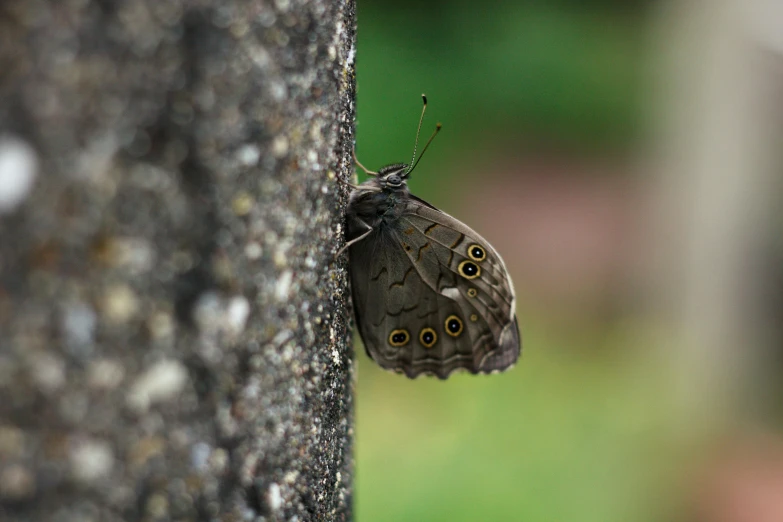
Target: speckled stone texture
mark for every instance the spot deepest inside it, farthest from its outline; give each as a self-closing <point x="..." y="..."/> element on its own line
<point x="174" y="340"/>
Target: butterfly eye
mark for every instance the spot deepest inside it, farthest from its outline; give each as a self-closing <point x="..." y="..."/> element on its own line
<point x="399" y="337"/>
<point x="428" y="337"/>
<point x="469" y="270"/>
<point x="453" y="325"/>
<point x="472" y="292"/>
<point x="477" y="253"/>
<point x="393" y="180"/>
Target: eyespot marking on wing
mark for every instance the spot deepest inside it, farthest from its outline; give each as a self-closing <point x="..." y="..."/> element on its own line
<point x="428" y="337"/>
<point x="477" y="253"/>
<point x="469" y="269"/>
<point x="399" y="337"/>
<point x="454" y="325"/>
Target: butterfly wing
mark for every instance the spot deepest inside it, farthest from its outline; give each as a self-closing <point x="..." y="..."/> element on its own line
<point x="489" y="293"/>
<point x="420" y="305"/>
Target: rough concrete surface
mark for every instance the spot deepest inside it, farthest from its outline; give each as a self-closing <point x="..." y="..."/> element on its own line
<point x="174" y="340"/>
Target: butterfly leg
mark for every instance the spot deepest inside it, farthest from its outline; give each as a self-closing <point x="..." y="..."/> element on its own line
<point x="355" y="187"/>
<point x="359" y="163"/>
<point x="364" y="188"/>
<point x="356" y="239"/>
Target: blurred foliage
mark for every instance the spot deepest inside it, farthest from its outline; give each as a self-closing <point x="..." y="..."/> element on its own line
<point x="568" y="434"/>
<point x="539" y="74"/>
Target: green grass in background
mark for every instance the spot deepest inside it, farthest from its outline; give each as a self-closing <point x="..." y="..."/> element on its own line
<point x="562" y="436"/>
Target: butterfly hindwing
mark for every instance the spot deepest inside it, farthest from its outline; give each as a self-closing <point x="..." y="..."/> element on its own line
<point x="490" y="292"/>
<point x="426" y="303"/>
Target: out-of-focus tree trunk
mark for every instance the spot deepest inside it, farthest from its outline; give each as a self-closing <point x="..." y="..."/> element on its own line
<point x="717" y="94"/>
<point x="173" y="331"/>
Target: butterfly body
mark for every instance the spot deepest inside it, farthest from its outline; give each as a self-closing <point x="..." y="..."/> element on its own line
<point x="430" y="295"/>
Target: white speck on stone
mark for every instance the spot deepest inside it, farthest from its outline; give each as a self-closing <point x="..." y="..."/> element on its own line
<point x="238" y="311"/>
<point x="316" y="135"/>
<point x="283" y="286"/>
<point x="336" y="357"/>
<point x="273" y="497"/>
<point x="91" y="460"/>
<point x="270" y="237"/>
<point x="259" y="55"/>
<point x="207" y="312"/>
<point x="248" y="155"/>
<point x="199" y="456"/>
<point x="159" y="383"/>
<point x="282" y="5"/>
<point x="280" y="146"/>
<point x="242" y="203"/>
<point x="312" y="156"/>
<point x="351" y="55"/>
<point x="281" y="337"/>
<point x="253" y="250"/>
<point x="278" y="90"/>
<point x="215" y="314"/>
<point x="136" y="254"/>
<point x="78" y="324"/>
<point x="104" y="374"/>
<point x="48" y="372"/>
<point x="120" y="304"/>
<point x="18" y="170"/>
<point x="218" y="461"/>
<point x="161" y="325"/>
<point x="157" y="506"/>
<point x="17" y="482"/>
<point x="280" y="258"/>
<point x="252" y="390"/>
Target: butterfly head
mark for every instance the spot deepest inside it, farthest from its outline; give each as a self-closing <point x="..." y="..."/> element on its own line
<point x="393" y="176"/>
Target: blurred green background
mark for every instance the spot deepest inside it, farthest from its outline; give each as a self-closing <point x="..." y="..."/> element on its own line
<point x="541" y="110"/>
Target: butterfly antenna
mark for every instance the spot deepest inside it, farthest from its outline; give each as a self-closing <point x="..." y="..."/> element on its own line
<point x="434" y="133"/>
<point x="418" y="130"/>
<point x="414" y="161"/>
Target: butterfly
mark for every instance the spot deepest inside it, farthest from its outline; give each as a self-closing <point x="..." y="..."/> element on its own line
<point x="430" y="295"/>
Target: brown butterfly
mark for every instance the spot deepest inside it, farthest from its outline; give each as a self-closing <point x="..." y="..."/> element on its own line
<point x="430" y="295"/>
